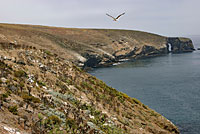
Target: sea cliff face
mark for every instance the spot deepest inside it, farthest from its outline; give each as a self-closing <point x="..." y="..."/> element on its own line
<point x="121" y="51"/>
<point x="180" y="45"/>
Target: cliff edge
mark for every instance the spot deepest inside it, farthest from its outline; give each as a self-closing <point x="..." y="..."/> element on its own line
<point x="180" y="45"/>
<point x="94" y="47"/>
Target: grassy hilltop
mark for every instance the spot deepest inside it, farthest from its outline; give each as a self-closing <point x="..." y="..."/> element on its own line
<point x="79" y="45"/>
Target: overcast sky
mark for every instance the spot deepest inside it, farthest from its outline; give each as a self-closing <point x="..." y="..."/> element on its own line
<point x="165" y="17"/>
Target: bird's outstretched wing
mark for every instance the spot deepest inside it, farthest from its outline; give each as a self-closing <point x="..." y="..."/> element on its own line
<point x="110" y="16"/>
<point x="120" y="15"/>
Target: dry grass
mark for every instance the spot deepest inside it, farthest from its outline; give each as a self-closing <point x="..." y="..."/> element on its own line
<point x="74" y="43"/>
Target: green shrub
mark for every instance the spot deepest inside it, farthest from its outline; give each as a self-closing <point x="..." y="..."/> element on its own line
<point x="87" y="86"/>
<point x="40" y="116"/>
<point x="2" y="65"/>
<point x="69" y="82"/>
<point x="153" y="113"/>
<point x="120" y="98"/>
<point x="13" y="109"/>
<point x="53" y="120"/>
<point x="136" y="101"/>
<point x="19" y="73"/>
<point x="70" y="123"/>
<point x="15" y="79"/>
<point x="21" y="84"/>
<point x="112" y="130"/>
<point x="77" y="68"/>
<point x="144" y="106"/>
<point x="5" y="95"/>
<point x="47" y="52"/>
<point x="30" y="98"/>
<point x="41" y="83"/>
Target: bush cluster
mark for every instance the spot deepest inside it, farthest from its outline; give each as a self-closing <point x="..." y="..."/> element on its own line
<point x="13" y="109"/>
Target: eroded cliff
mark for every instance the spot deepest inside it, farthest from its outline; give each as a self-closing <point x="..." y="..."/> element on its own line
<point x="94" y="47"/>
<point x="180" y="45"/>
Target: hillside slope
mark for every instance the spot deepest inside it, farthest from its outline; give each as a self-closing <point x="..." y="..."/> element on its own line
<point x="44" y="93"/>
<point x="91" y="47"/>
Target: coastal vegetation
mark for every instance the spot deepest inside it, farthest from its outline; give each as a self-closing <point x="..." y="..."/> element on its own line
<point x="44" y="91"/>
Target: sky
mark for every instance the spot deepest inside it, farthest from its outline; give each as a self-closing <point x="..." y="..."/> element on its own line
<point x="164" y="17"/>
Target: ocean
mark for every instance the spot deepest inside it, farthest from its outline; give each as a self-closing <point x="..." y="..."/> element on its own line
<point x="169" y="84"/>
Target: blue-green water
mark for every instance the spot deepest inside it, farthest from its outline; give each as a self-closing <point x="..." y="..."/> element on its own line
<point x="168" y="84"/>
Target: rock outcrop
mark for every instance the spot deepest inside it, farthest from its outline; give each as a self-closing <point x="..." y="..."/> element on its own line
<point x="180" y="45"/>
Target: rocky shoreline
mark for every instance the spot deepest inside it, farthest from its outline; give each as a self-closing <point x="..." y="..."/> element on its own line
<point x="177" y="45"/>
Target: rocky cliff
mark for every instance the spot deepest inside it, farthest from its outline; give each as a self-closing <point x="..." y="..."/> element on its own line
<point x="180" y="45"/>
<point x="93" y="47"/>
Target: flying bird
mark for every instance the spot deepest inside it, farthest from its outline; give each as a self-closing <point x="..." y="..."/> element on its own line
<point x="115" y="19"/>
